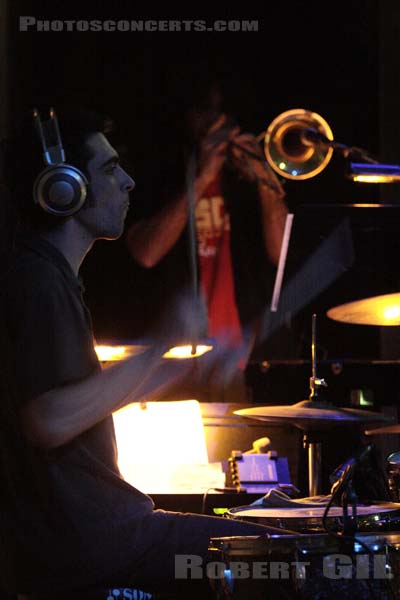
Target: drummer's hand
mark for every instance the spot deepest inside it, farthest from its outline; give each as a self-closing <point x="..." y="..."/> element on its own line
<point x="220" y="367"/>
<point x="184" y="321"/>
<point x="213" y="149"/>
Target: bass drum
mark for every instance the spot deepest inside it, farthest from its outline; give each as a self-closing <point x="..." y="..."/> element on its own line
<point x="305" y="567"/>
<point x="383" y="516"/>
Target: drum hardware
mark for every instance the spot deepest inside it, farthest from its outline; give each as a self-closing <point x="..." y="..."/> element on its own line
<point x="393" y="473"/>
<point x="343" y="489"/>
<point x="305" y="566"/>
<point x="392" y="463"/>
<point x="313" y="417"/>
<point x="381" y="310"/>
<point x="380" y="516"/>
<point x="366" y="474"/>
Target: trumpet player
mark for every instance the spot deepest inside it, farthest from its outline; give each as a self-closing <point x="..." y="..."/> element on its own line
<point x="240" y="211"/>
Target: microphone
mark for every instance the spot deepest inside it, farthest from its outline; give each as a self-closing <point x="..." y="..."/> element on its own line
<point x="346" y="471"/>
<point x="343" y="488"/>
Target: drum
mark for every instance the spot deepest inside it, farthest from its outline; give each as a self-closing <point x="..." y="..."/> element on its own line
<point x="383" y="516"/>
<point x="304" y="567"/>
<point x="393" y="474"/>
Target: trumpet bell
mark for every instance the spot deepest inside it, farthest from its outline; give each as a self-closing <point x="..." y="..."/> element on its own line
<point x="288" y="151"/>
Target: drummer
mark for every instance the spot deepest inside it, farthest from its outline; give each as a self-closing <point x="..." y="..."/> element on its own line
<point x="71" y="519"/>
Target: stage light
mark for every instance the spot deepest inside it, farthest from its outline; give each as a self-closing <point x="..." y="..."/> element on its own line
<point x="374" y="173"/>
<point x="162" y="448"/>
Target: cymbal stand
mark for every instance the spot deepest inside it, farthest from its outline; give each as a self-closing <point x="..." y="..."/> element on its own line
<point x="311" y="439"/>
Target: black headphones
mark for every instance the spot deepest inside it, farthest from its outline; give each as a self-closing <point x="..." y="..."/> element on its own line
<point x="60" y="189"/>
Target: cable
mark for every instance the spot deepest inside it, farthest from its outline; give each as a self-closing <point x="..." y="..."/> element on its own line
<point x="225" y="490"/>
<point x="351" y="538"/>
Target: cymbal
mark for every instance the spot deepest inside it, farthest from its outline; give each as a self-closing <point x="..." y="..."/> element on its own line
<point x="113" y="351"/>
<point x="377" y="310"/>
<point x="313" y="415"/>
<point x="387" y="429"/>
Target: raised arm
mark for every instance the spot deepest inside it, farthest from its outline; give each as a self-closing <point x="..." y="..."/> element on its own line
<point x="270" y="191"/>
<point x="149" y="240"/>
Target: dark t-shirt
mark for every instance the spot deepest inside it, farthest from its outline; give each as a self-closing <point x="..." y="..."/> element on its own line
<point x="83" y="529"/>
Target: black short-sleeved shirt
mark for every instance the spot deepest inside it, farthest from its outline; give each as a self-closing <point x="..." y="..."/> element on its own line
<point x="93" y="511"/>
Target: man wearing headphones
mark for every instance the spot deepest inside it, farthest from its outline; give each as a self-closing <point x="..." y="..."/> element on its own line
<point x="71" y="521"/>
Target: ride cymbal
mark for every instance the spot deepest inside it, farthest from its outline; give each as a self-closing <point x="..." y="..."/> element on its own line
<point x="377" y="310"/>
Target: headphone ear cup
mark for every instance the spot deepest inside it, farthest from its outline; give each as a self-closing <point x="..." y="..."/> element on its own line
<point x="60" y="190"/>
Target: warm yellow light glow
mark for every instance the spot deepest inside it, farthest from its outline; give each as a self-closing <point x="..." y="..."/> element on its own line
<point x="375" y="178"/>
<point x="377" y="310"/>
<point x="392" y="312"/>
<point x="107" y="352"/>
<point x="162" y="447"/>
<point x="187" y="351"/>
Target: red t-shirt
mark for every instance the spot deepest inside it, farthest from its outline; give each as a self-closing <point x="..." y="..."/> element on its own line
<point x="216" y="273"/>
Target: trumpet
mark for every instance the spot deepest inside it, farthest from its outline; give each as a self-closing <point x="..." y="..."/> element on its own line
<point x="298" y="144"/>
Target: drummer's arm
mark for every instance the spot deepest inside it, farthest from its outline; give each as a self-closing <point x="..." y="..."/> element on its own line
<point x="61" y="414"/>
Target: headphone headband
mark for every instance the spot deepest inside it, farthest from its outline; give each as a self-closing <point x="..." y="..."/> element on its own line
<point x="60" y="189"/>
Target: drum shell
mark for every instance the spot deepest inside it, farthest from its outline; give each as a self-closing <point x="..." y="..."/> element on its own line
<point x="393" y="476"/>
<point x="383" y="516"/>
<point x="309" y="564"/>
